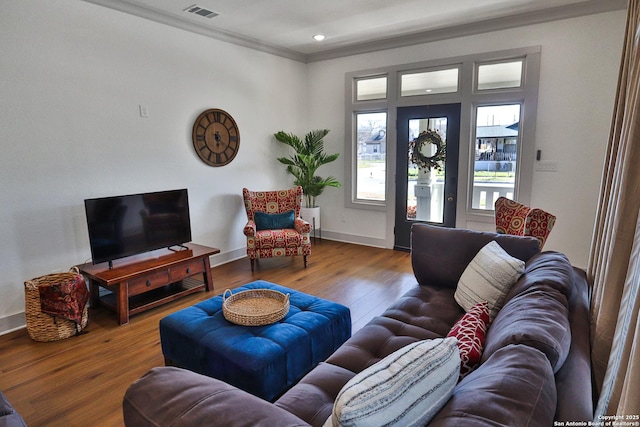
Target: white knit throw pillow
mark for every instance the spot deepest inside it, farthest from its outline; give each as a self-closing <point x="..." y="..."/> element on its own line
<point x="488" y="277"/>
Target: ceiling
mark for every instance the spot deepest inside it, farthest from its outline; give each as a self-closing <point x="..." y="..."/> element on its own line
<point x="286" y="27"/>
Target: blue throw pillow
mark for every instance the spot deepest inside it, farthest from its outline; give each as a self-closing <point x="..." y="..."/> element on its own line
<point x="267" y="221"/>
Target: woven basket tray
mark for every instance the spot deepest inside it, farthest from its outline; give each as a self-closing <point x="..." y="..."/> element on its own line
<point x="42" y="326"/>
<point x="255" y="307"/>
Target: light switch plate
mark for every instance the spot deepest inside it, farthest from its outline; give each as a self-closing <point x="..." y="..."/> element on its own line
<point x="547" y="166"/>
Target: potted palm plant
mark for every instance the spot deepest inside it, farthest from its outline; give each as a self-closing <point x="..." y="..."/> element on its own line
<point x="308" y="155"/>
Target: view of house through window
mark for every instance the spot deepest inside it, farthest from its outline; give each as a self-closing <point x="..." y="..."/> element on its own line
<point x="496" y="154"/>
<point x="371" y="140"/>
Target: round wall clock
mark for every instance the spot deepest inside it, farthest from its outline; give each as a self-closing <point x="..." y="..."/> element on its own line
<point x="216" y="137"/>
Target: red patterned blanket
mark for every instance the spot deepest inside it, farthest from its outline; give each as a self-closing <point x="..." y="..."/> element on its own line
<point x="66" y="299"/>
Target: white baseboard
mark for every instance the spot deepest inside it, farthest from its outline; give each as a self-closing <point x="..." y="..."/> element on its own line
<point x="353" y="238"/>
<point x="223" y="258"/>
<point x="12" y="323"/>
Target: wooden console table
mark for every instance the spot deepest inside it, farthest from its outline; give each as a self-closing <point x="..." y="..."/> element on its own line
<point x="148" y="280"/>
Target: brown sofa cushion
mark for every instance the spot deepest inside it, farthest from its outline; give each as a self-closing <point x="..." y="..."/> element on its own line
<point x="439" y="255"/>
<point x="430" y="308"/>
<point x="312" y="398"/>
<point x="536" y="313"/>
<point x="486" y="397"/>
<point x="422" y="313"/>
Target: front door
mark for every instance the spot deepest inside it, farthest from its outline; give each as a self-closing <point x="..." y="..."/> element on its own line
<point x="426" y="168"/>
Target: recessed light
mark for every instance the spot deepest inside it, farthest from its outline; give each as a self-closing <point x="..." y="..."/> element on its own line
<point x="318" y="37"/>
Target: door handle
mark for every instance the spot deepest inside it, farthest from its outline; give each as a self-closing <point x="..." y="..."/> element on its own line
<point x="450" y="199"/>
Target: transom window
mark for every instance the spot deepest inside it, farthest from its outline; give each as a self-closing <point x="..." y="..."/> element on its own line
<point x="502" y="75"/>
<point x="371" y="88"/>
<point x="429" y="82"/>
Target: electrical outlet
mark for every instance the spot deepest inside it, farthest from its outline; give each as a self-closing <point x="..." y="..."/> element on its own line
<point x="343" y="218"/>
<point x="547" y="166"/>
<point x="144" y="111"/>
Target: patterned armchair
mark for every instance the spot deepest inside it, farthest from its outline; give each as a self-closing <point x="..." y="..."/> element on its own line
<point x="510" y="216"/>
<point x="514" y="218"/>
<point x="539" y="224"/>
<point x="274" y="227"/>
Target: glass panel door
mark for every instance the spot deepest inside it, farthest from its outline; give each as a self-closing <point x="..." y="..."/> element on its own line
<point x="427" y="168"/>
<point x="425" y="172"/>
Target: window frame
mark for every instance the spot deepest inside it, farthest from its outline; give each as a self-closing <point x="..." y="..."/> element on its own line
<point x="469" y="98"/>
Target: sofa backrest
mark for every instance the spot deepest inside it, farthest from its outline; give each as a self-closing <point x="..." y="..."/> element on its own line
<point x="439" y="255"/>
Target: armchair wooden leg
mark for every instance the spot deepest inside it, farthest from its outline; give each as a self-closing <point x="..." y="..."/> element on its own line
<point x="305" y="261"/>
<point x="253" y="262"/>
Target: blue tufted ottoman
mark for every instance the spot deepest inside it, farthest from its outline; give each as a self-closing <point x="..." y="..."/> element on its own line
<point x="262" y="360"/>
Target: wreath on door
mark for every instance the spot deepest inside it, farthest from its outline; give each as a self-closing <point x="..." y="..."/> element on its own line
<point x="417" y="157"/>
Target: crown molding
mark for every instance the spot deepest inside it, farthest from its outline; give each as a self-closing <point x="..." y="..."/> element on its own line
<point x="495" y="24"/>
<point x="185" y="24"/>
<point x="574" y="10"/>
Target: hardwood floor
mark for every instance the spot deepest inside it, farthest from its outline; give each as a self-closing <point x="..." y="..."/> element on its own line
<point x="80" y="381"/>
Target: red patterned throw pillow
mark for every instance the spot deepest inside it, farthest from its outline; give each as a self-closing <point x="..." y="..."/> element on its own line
<point x="470" y="331"/>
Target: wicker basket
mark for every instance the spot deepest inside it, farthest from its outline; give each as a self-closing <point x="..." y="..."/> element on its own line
<point x="255" y="307"/>
<point x="45" y="327"/>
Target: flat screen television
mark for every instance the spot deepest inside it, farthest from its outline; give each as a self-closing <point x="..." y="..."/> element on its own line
<point x="122" y="226"/>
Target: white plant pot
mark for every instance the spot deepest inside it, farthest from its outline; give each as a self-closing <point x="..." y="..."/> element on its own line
<point x="310" y="215"/>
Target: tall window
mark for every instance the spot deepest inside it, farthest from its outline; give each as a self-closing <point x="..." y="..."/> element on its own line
<point x="371" y="141"/>
<point x="495" y="154"/>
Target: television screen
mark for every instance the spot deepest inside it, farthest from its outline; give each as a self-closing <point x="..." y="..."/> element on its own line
<point x="127" y="225"/>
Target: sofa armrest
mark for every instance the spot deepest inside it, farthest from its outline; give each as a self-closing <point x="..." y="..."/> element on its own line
<point x="573" y="380"/>
<point x="178" y="397"/>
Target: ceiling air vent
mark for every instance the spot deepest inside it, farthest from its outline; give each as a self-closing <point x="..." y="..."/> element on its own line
<point x="197" y="10"/>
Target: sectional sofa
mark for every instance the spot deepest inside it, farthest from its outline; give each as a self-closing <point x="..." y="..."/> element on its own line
<point x="531" y="369"/>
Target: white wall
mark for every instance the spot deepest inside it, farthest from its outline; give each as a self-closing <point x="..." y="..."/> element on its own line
<point x="72" y="76"/>
<point x="579" y="69"/>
